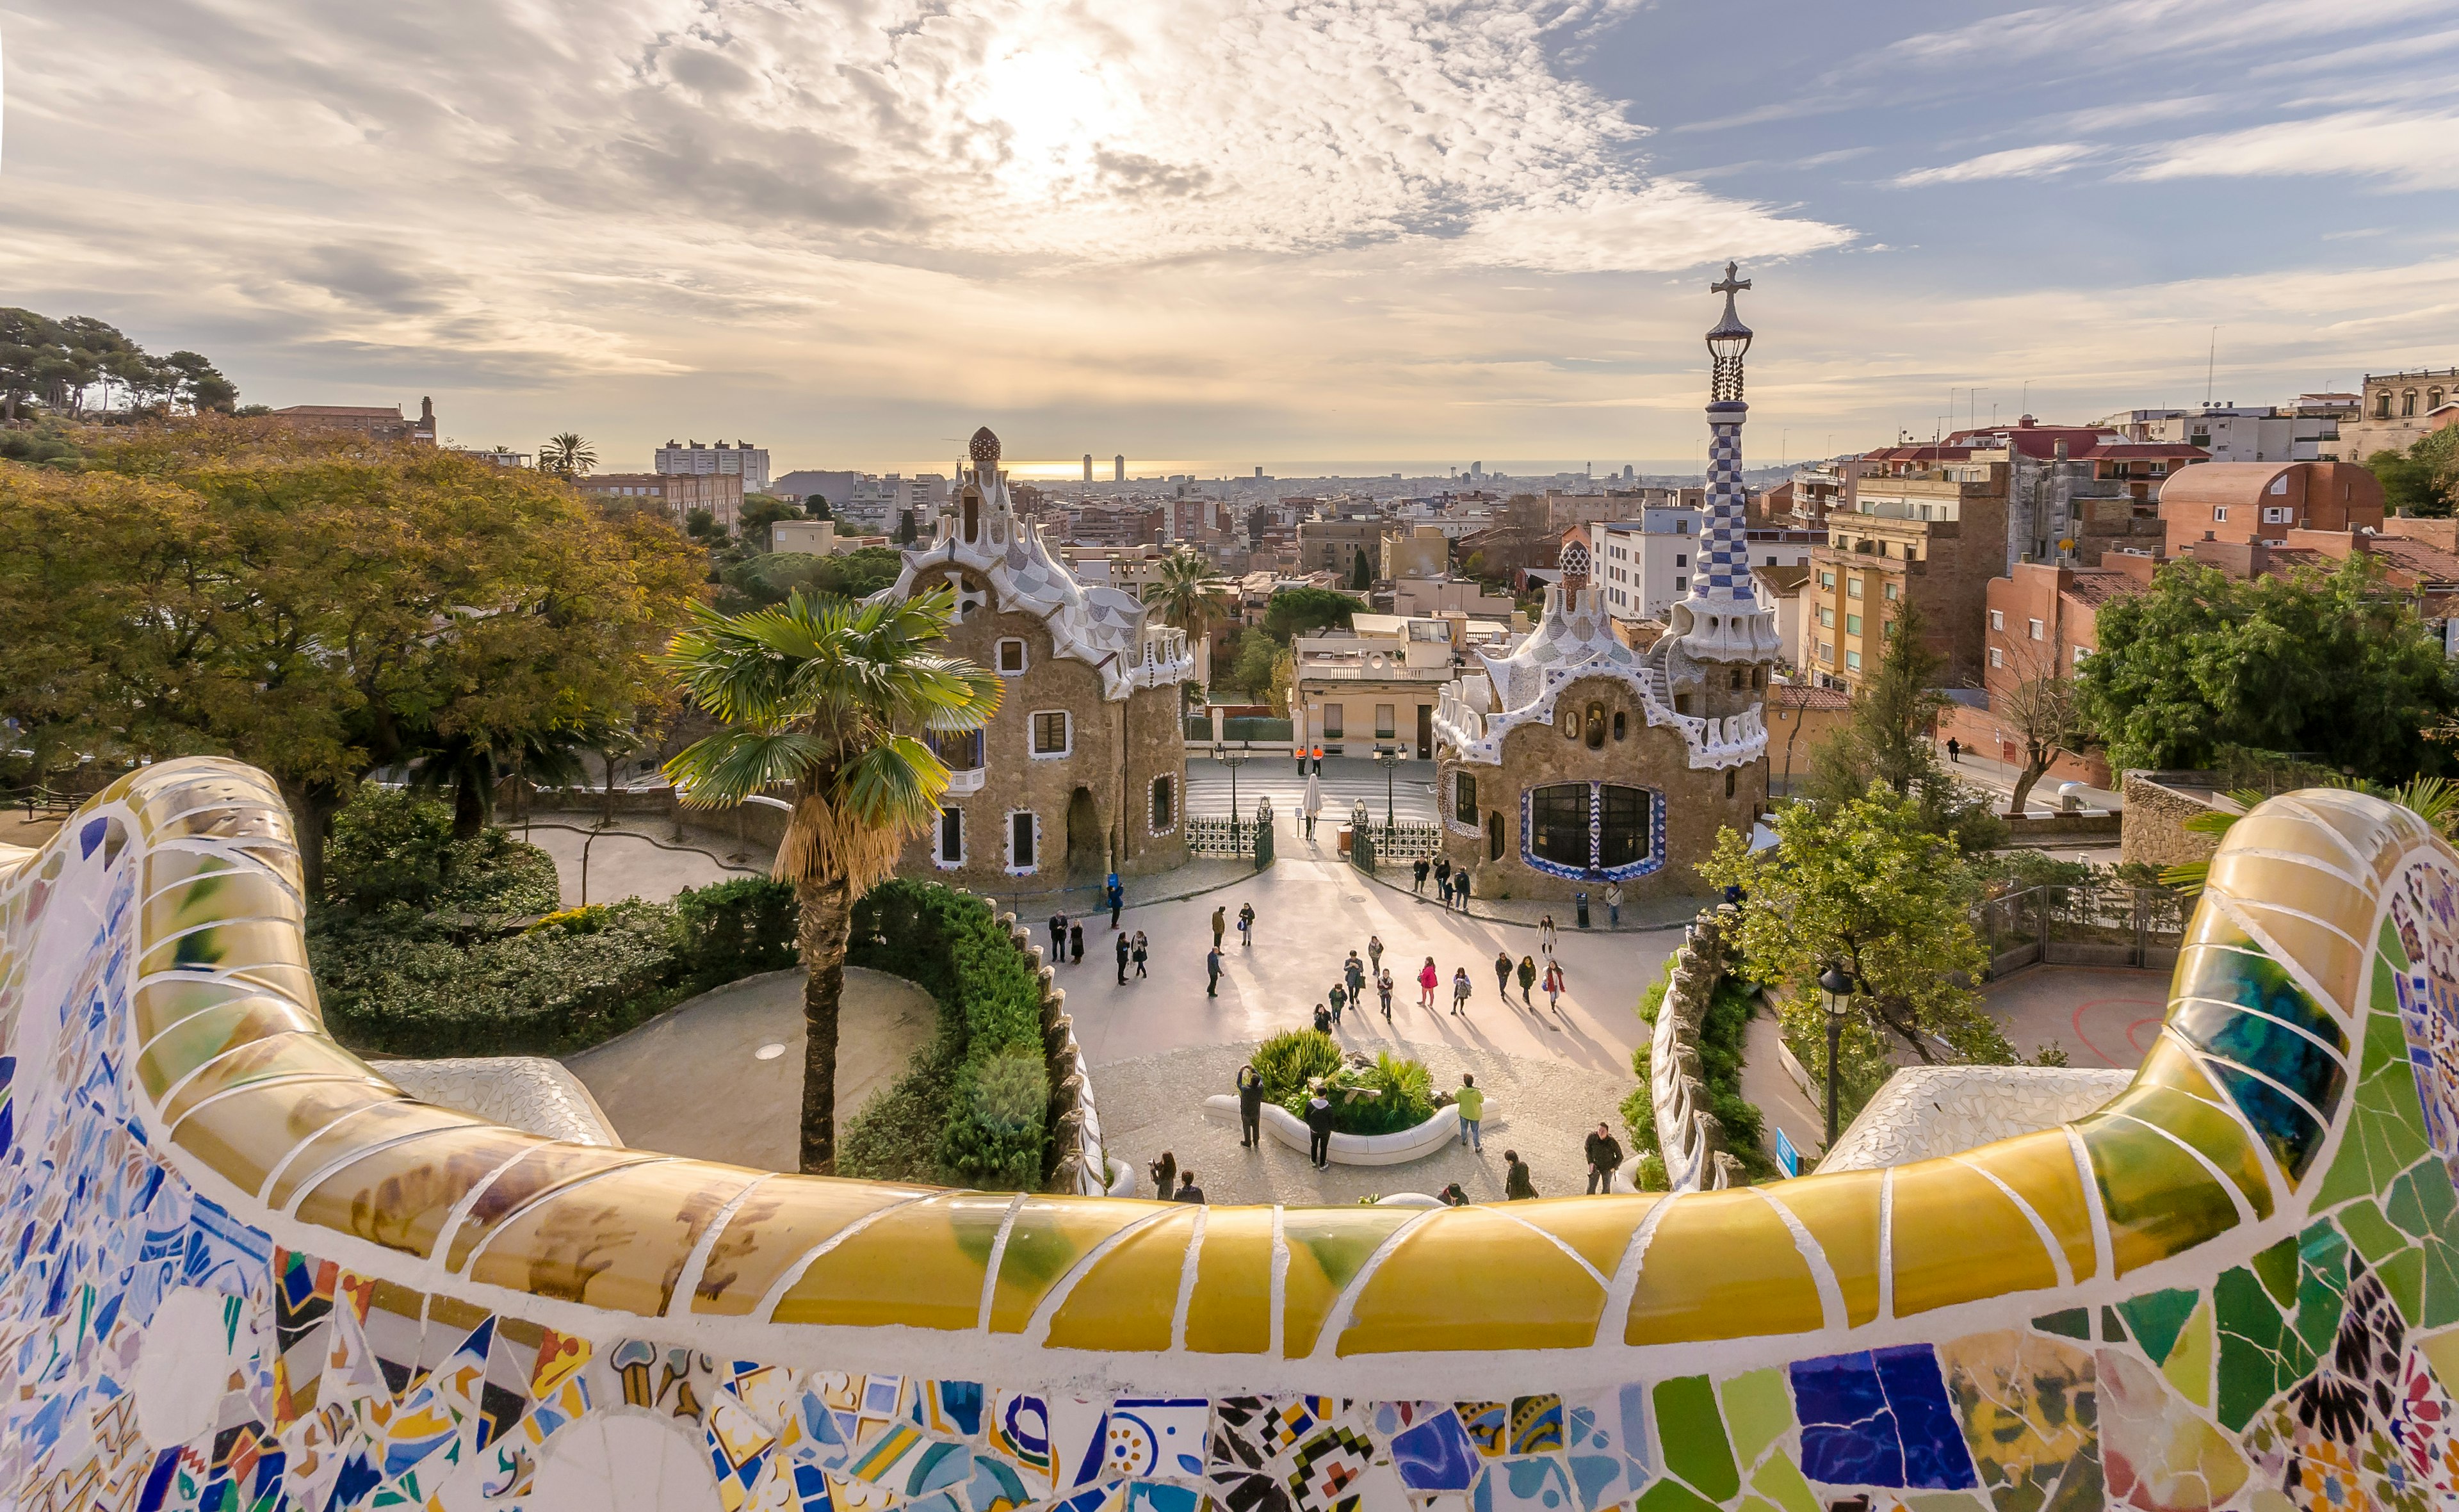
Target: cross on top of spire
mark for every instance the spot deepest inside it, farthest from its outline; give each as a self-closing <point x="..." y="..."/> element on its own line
<point x="1729" y="285"/>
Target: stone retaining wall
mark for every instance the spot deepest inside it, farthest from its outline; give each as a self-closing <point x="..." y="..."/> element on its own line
<point x="1691" y="1136"/>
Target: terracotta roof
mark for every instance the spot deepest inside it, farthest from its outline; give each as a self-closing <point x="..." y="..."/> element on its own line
<point x="2414" y="559"/>
<point x="1807" y="696"/>
<point x="2095" y="587"/>
<point x="1782" y="579"/>
<point x="2115" y="449"/>
<point x="343" y="411"/>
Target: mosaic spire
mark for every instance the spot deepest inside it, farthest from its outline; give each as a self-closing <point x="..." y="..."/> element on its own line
<point x="1720" y="620"/>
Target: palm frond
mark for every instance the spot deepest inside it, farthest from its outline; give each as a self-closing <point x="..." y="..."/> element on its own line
<point x="724" y="768"/>
<point x="896" y="783"/>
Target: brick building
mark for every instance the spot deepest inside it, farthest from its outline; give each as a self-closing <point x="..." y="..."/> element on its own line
<point x="2041" y="622"/>
<point x="677" y="493"/>
<point x="1933" y="538"/>
<point x="2263" y="501"/>
<point x="1080" y="771"/>
<point x="377" y="422"/>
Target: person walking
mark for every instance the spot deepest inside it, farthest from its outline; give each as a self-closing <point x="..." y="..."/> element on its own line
<point x="1246" y="925"/>
<point x="1123" y="959"/>
<point x="1143" y="952"/>
<point x="1213" y="970"/>
<point x="1444" y="880"/>
<point x="1428" y="980"/>
<point x="1527" y="975"/>
<point x="1502" y="975"/>
<point x="1318" y="1123"/>
<point x="1605" y="1154"/>
<point x="1954" y="749"/>
<point x="1374" y="953"/>
<point x="1383" y="990"/>
<point x="1471" y="1102"/>
<point x="1187" y="1190"/>
<point x="1554" y="985"/>
<point x="1250" y="1107"/>
<point x="1459" y="889"/>
<point x="1545" y="936"/>
<point x="1340" y="1001"/>
<point x="1323" y="1019"/>
<point x="1220" y="924"/>
<point x="1058" y="938"/>
<point x="1165" y="1174"/>
<point x="1075" y="942"/>
<point x="1418" y="872"/>
<point x="1353" y="971"/>
<point x="1118" y="898"/>
<point x="1516" y="1185"/>
<point x="1614" y="903"/>
<point x="1461" y="990"/>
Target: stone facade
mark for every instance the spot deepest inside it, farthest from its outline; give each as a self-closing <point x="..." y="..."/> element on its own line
<point x="2158" y="805"/>
<point x="1082" y="769"/>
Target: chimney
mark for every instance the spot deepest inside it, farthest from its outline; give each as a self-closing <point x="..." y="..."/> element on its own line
<point x="2058" y="449"/>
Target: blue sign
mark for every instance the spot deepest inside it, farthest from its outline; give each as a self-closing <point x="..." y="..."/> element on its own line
<point x="1786" y="1155"/>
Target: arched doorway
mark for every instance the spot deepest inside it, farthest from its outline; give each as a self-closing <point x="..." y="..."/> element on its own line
<point x="1087" y="848"/>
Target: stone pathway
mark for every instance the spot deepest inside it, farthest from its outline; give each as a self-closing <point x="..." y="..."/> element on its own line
<point x="1545" y="1109"/>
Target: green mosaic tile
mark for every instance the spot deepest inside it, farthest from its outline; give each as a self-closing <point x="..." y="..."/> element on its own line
<point x="2392" y="950"/>
<point x="2082" y="1488"/>
<point x="2155" y="1317"/>
<point x="2321" y="1287"/>
<point x="1669" y="1495"/>
<point x="2074" y="1323"/>
<point x="2259" y="1355"/>
<point x="2421" y="1201"/>
<point x="1780" y="1480"/>
<point x="1946" y="1501"/>
<point x="2386" y="1125"/>
<point x="2276" y="1268"/>
<point x="2189" y="1365"/>
<point x="2111" y="1331"/>
<point x="2441" y="1284"/>
<point x="2370" y="1232"/>
<point x="1758" y="1409"/>
<point x="2402" y="1276"/>
<point x="1692" y="1437"/>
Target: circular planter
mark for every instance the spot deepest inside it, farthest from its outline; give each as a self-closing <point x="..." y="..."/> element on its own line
<point x="1395" y="1149"/>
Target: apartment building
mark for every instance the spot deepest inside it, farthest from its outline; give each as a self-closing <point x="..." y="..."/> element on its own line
<point x="675" y="494"/>
<point x="1335" y="545"/>
<point x="740" y="459"/>
<point x="1375" y="685"/>
<point x="1415" y="551"/>
<point x="2263" y="501"/>
<point x="2394" y="410"/>
<point x="1642" y="567"/>
<point x="1932" y="538"/>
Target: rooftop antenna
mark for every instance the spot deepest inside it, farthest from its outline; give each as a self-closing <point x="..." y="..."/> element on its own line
<point x="2211" y="361"/>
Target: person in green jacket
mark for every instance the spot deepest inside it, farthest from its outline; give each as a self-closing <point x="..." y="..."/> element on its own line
<point x="1340" y="1001"/>
<point x="1471" y="1103"/>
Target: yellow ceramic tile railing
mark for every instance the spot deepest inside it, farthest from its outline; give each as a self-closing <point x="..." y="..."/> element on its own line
<point x="303" y="1139"/>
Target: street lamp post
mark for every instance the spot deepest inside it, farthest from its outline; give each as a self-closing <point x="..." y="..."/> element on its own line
<point x="1234" y="758"/>
<point x="1388" y="757"/>
<point x="1836" y="989"/>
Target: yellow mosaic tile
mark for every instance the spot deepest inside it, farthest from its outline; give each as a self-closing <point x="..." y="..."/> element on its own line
<point x="248" y="944"/>
<point x="245" y="1136"/>
<point x="2378" y="830"/>
<point x="1326" y="1247"/>
<point x="2159" y="1201"/>
<point x="618" y="1242"/>
<point x="783" y="1221"/>
<point x="1842" y="1212"/>
<point x="2214" y="1134"/>
<point x="249" y="895"/>
<point x="401" y="1195"/>
<point x="1721" y="1265"/>
<point x="2335" y="962"/>
<point x="1599" y="1232"/>
<point x="1231" y="1309"/>
<point x="291" y="1055"/>
<point x="1469" y="1279"/>
<point x="920" y="1266"/>
<point x="2039" y="1168"/>
<point x="1957" y="1238"/>
<point x="220" y="1030"/>
<point x="2281" y="882"/>
<point x="167" y="1000"/>
<point x="1049" y="1236"/>
<point x="1125" y="1301"/>
<point x="544" y="1168"/>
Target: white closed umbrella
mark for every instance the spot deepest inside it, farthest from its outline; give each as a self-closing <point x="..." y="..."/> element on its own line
<point x="1313" y="802"/>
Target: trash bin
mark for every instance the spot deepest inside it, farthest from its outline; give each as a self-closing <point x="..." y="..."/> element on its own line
<point x="1583" y="904"/>
<point x="1344" y="841"/>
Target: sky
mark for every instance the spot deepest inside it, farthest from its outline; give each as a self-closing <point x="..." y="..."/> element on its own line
<point x="1218" y="234"/>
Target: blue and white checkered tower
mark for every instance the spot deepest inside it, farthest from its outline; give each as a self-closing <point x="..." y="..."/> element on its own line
<point x="1721" y="619"/>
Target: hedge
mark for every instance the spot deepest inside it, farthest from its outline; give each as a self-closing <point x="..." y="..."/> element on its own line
<point x="979" y="1098"/>
<point x="398" y="983"/>
<point x="1722" y="1033"/>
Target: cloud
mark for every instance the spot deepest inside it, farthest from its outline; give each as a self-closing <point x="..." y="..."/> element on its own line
<point x="2086" y="35"/>
<point x="2404" y="150"/>
<point x="2015" y="163"/>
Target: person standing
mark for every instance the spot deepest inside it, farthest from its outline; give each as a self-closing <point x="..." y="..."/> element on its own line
<point x="1461" y="990"/>
<point x="1250" y="1107"/>
<point x="1554" y="985"/>
<point x="1444" y="880"/>
<point x="1323" y="1019"/>
<point x="1502" y="975"/>
<point x="1954" y="749"/>
<point x="1075" y="942"/>
<point x="1459" y="889"/>
<point x="1143" y="952"/>
<point x="1165" y="1174"/>
<point x="1527" y="978"/>
<point x="1187" y="1190"/>
<point x="1058" y="938"/>
<point x="1220" y="925"/>
<point x="1383" y="990"/>
<point x="1318" y="1123"/>
<point x="1374" y="953"/>
<point x="1471" y="1103"/>
<point x="1246" y="925"/>
<point x="1118" y="898"/>
<point x="1428" y="980"/>
<point x="1339" y="999"/>
<point x="1213" y="970"/>
<point x="1614" y="903"/>
<point x="1605" y="1154"/>
<point x="1353" y="971"/>
<point x="1123" y="959"/>
<point x="1419" y="887"/>
<point x="1545" y="935"/>
<point x="1516" y="1185"/>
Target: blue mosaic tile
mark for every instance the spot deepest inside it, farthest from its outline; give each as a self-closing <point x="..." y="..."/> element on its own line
<point x="1880" y="1418"/>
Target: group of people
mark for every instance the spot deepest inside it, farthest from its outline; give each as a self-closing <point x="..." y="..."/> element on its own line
<point x="1172" y="1183"/>
<point x="1067" y="947"/>
<point x="1451" y="885"/>
<point x="1213" y="960"/>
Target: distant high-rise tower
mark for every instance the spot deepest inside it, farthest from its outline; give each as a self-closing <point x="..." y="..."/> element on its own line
<point x="1119" y="468"/>
<point x="1088" y="467"/>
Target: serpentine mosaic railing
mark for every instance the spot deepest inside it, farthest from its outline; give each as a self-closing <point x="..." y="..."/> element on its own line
<point x="1689" y="1138"/>
<point x="245" y="1271"/>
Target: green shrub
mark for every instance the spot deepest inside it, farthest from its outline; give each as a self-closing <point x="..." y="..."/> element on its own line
<point x="1286" y="1063"/>
<point x="391" y="849"/>
<point x="895" y="1137"/>
<point x="735" y="929"/>
<point x="1723" y="1033"/>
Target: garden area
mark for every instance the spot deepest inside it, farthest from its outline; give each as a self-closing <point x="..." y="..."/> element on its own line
<point x="1384" y="1095"/>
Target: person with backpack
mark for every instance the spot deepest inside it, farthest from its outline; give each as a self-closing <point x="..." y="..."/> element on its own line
<point x="1250" y="1106"/>
<point x="1318" y="1123"/>
<point x="1340" y="996"/>
<point x="1444" y="880"/>
<point x="1605" y="1154"/>
<point x="1471" y="1102"/>
<point x="1516" y="1185"/>
<point x="1374" y="953"/>
<point x="1461" y="990"/>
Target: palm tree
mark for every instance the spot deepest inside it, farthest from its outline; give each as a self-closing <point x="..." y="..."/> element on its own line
<point x="833" y="699"/>
<point x="1190" y="594"/>
<point x="566" y="454"/>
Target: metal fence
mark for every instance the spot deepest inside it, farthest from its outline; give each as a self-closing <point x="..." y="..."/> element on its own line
<point x="2083" y="925"/>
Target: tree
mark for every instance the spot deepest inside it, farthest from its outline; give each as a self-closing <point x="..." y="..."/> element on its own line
<point x="222" y="587"/>
<point x="201" y="385"/>
<point x="1190" y="594"/>
<point x="1866" y="884"/>
<point x="770" y="578"/>
<point x="1292" y="612"/>
<point x="1886" y="740"/>
<point x="833" y="698"/>
<point x="816" y="507"/>
<point x="566" y="454"/>
<point x="30" y="345"/>
<point x="2423" y="479"/>
<point x="905" y="528"/>
<point x="1361" y="576"/>
<point x="760" y="510"/>
<point x="2334" y="665"/>
<point x="2044" y="711"/>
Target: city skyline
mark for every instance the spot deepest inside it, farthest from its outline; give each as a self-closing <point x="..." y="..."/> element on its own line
<point x="1245" y="234"/>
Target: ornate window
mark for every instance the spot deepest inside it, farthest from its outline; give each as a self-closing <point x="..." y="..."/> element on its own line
<point x="1558" y="824"/>
<point x="1581" y="830"/>
<point x="1011" y="657"/>
<point x="959" y="751"/>
<point x="1465" y="799"/>
<point x="1596" y="726"/>
<point x="1050" y="733"/>
<point x="1165" y="805"/>
<point x="1023" y="841"/>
